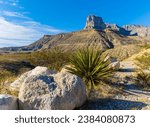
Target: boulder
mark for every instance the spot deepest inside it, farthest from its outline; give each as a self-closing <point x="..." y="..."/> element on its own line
<point x="8" y="102"/>
<point x="37" y="71"/>
<point x="94" y="22"/>
<point x="47" y="91"/>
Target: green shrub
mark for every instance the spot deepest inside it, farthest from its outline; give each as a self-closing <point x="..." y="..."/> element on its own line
<point x="146" y="46"/>
<point x="6" y="78"/>
<point x="143" y="79"/>
<point x="4" y="74"/>
<point x="88" y="65"/>
<point x="144" y="61"/>
<point x="53" y="59"/>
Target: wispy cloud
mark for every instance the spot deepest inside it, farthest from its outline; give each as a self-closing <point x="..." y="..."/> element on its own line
<point x="9" y="2"/>
<point x="19" y="34"/>
<point x="13" y="14"/>
<point x="17" y="29"/>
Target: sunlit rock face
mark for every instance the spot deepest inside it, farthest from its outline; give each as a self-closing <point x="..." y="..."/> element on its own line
<point x="95" y="22"/>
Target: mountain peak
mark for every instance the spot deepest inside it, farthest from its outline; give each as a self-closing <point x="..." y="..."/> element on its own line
<point x="95" y="22"/>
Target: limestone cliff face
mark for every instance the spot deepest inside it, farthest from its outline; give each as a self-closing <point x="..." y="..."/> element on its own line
<point x="138" y="30"/>
<point x="95" y="22"/>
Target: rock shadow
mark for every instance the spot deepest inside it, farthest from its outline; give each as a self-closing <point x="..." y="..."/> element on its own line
<point x="136" y="90"/>
<point x="112" y="104"/>
<point x="127" y="70"/>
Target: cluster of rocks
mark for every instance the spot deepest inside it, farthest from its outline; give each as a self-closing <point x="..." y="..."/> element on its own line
<point x="42" y="89"/>
<point x="95" y="22"/>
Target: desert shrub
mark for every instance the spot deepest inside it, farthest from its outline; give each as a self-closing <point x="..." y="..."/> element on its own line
<point x="88" y="65"/>
<point x="143" y="79"/>
<point x="6" y="77"/>
<point x="14" y="57"/>
<point x="146" y="46"/>
<point x="11" y="66"/>
<point x="53" y="59"/>
<point x="143" y="61"/>
<point x="4" y="74"/>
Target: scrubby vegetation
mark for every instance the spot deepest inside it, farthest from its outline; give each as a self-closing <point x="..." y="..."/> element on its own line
<point x="88" y="65"/>
<point x="13" y="65"/>
<point x="146" y="46"/>
<point x="143" y="75"/>
<point x="144" y="61"/>
<point x="53" y="59"/>
<point x="143" y="79"/>
<point x="5" y="78"/>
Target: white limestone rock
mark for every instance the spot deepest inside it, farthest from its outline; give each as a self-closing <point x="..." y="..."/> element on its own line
<point x="59" y="91"/>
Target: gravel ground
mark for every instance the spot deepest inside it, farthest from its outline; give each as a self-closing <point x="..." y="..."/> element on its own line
<point x="132" y="98"/>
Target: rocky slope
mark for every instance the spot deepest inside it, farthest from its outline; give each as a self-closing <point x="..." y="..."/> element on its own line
<point x="70" y="41"/>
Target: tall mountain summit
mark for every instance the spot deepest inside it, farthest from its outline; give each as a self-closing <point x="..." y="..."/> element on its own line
<point x="96" y="33"/>
<point x="95" y="22"/>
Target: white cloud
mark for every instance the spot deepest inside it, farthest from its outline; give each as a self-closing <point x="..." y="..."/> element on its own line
<point x="17" y="29"/>
<point x="13" y="14"/>
<point x="12" y="34"/>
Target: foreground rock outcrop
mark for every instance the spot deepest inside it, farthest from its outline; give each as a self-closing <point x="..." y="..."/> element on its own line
<point x="41" y="89"/>
<point x="37" y="71"/>
<point x="8" y="102"/>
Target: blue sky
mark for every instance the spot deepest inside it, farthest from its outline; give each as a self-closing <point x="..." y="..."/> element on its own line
<point x="24" y="21"/>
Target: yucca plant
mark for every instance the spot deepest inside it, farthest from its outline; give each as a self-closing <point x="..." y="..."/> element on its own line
<point x="88" y="65"/>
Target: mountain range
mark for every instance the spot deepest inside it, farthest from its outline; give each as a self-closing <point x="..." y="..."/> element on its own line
<point x="96" y="33"/>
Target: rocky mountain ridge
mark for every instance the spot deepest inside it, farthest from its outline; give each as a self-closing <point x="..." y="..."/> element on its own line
<point x="138" y="30"/>
<point x="96" y="33"/>
<point x="95" y="22"/>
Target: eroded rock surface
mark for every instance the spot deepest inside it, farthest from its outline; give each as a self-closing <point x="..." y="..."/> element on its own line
<point x="51" y="91"/>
